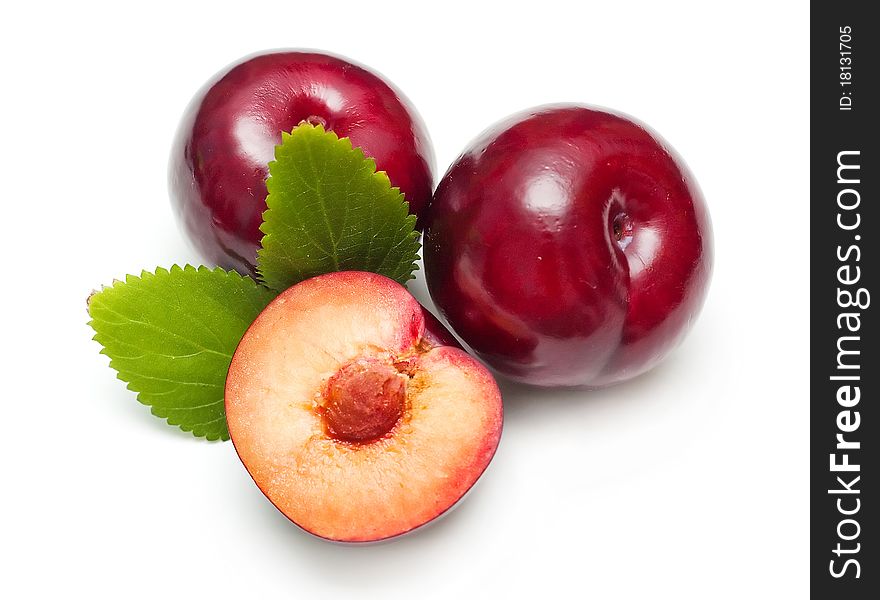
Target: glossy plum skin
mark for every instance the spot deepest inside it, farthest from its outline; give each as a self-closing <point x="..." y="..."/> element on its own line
<point x="569" y="246"/>
<point x="227" y="137"/>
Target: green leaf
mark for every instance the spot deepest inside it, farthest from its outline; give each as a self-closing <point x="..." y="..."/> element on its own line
<point x="329" y="210"/>
<point x="171" y="336"/>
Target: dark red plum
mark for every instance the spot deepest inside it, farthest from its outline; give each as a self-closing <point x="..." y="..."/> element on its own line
<point x="569" y="246"/>
<point x="228" y="135"/>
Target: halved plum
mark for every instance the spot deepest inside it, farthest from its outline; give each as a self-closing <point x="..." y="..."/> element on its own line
<point x="350" y="418"/>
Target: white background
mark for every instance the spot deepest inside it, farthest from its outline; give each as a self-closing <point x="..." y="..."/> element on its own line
<point x="690" y="482"/>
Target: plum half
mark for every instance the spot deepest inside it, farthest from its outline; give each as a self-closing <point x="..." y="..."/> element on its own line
<point x="348" y="415"/>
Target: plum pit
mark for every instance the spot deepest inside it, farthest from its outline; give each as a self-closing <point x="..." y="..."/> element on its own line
<point x="363" y="401"/>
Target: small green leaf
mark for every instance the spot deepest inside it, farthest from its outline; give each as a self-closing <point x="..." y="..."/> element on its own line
<point x="329" y="210"/>
<point x="171" y="336"/>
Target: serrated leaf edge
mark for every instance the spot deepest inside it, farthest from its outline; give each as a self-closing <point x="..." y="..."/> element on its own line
<point x="381" y="175"/>
<point x="121" y="373"/>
